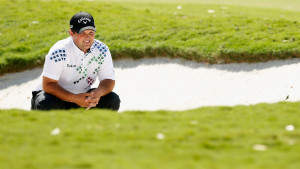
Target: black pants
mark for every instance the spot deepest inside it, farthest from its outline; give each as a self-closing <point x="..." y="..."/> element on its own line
<point x="44" y="101"/>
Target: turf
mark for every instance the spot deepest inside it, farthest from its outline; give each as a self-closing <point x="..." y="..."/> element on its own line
<point x="230" y="34"/>
<point x="210" y="137"/>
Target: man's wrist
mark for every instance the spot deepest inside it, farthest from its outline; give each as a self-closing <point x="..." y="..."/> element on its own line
<point x="72" y="98"/>
<point x="98" y="93"/>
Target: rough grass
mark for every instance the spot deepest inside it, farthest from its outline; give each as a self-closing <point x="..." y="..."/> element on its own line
<point x="137" y="30"/>
<point x="211" y="137"/>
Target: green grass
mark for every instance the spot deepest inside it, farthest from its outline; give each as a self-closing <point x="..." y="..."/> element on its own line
<point x="275" y="4"/>
<point x="211" y="137"/>
<point x="149" y="29"/>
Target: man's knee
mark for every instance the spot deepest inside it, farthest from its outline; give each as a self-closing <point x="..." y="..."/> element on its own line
<point x="115" y="101"/>
<point x="45" y="101"/>
<point x="110" y="101"/>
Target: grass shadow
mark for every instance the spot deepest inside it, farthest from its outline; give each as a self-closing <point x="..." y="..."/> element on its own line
<point x="231" y="67"/>
<point x="16" y="79"/>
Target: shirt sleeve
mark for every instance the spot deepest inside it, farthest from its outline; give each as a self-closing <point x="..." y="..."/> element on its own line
<point x="106" y="70"/>
<point x="53" y="66"/>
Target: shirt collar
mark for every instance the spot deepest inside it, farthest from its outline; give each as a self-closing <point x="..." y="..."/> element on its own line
<point x="77" y="50"/>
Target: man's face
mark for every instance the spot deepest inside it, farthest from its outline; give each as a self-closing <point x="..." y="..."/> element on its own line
<point x="83" y="40"/>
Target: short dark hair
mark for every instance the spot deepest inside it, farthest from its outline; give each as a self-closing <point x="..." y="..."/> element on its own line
<point x="73" y="31"/>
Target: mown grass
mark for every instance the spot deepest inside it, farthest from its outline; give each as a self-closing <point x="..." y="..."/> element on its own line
<point x="293" y="5"/>
<point x="210" y="137"/>
<point x="137" y="30"/>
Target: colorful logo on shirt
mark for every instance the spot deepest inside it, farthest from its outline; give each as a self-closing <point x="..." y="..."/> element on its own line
<point x="101" y="47"/>
<point x="90" y="81"/>
<point x="59" y="55"/>
<point x="82" y="71"/>
<point x="99" y="60"/>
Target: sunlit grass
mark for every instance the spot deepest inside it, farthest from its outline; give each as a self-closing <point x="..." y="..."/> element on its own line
<point x="275" y="4"/>
<point x="200" y="32"/>
<point x="247" y="137"/>
<point x="253" y="137"/>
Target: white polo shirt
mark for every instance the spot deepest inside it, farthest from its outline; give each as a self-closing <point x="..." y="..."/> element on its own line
<point x="75" y="70"/>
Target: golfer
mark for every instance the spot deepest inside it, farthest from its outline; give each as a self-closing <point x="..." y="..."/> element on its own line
<point x="71" y="68"/>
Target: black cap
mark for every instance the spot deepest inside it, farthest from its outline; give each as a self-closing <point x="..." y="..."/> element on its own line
<point x="82" y="21"/>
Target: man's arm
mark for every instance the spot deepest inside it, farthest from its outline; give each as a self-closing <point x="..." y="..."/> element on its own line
<point x="52" y="87"/>
<point x="106" y="86"/>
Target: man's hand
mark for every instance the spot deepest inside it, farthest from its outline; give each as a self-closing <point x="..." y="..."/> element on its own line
<point x="105" y="87"/>
<point x="93" y="100"/>
<point x="83" y="99"/>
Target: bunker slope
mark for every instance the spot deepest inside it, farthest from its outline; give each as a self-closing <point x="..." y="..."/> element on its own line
<point x="176" y="84"/>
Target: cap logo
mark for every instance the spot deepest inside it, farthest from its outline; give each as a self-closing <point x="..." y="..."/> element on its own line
<point x="84" y="20"/>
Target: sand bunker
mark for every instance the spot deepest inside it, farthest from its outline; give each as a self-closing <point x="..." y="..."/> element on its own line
<point x="175" y="84"/>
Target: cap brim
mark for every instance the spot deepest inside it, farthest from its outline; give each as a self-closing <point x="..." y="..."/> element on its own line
<point x="86" y="28"/>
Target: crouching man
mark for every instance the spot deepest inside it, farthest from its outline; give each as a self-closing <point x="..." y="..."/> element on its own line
<point x="72" y="66"/>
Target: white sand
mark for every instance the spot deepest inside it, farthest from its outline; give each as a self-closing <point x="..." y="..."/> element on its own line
<point x="175" y="84"/>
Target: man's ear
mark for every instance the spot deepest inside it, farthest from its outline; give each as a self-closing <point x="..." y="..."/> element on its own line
<point x="71" y="33"/>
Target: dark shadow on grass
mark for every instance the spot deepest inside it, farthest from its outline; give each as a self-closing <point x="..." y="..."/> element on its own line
<point x="232" y="67"/>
